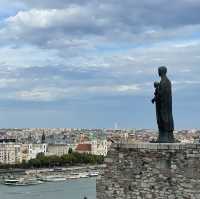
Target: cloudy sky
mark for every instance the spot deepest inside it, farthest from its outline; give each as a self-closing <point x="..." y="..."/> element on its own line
<point x="92" y="63"/>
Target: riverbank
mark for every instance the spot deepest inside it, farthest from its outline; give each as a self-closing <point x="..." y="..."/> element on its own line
<point x="80" y="168"/>
<point x="55" y="169"/>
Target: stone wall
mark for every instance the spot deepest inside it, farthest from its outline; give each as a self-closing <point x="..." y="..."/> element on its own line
<point x="157" y="171"/>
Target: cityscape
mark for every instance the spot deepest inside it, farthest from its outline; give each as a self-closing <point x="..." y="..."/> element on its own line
<point x="18" y="145"/>
<point x="76" y="156"/>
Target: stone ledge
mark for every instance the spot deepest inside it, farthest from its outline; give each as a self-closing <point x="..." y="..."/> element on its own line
<point x="156" y="146"/>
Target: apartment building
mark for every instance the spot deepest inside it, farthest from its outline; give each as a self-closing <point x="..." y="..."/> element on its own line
<point x="10" y="153"/>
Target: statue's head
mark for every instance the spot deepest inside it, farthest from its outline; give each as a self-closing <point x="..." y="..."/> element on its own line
<point x="162" y="71"/>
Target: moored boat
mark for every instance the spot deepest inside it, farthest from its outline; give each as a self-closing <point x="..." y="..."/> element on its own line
<point x="83" y="175"/>
<point x="53" y="178"/>
<point x="73" y="176"/>
<point x="21" y="182"/>
<point x="11" y="181"/>
<point x="93" y="174"/>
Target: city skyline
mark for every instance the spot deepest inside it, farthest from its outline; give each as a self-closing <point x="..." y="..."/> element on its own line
<point x="93" y="63"/>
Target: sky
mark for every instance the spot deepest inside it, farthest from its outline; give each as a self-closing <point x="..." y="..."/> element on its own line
<point x="91" y="64"/>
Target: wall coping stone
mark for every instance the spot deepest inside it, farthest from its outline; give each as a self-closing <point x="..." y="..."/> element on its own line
<point x="156" y="146"/>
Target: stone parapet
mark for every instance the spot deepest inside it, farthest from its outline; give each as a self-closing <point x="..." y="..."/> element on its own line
<point x="151" y="170"/>
<point x="156" y="146"/>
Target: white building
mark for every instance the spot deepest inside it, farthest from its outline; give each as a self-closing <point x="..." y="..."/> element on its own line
<point x="10" y="153"/>
<point x="35" y="149"/>
<point x="99" y="147"/>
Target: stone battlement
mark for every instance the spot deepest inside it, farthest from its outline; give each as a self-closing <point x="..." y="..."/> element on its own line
<point x="151" y="170"/>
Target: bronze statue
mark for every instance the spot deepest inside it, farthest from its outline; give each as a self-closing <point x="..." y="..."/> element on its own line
<point x="163" y="100"/>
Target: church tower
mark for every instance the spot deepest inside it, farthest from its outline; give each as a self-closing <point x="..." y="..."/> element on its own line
<point x="43" y="138"/>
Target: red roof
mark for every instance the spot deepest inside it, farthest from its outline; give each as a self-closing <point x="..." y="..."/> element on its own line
<point x="84" y="147"/>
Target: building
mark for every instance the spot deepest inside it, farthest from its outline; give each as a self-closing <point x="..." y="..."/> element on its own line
<point x="95" y="147"/>
<point x="57" y="149"/>
<point x="24" y="152"/>
<point x="100" y="147"/>
<point x="35" y="149"/>
<point x="30" y="151"/>
<point x="10" y="153"/>
<point x="84" y="148"/>
<point x="43" y="140"/>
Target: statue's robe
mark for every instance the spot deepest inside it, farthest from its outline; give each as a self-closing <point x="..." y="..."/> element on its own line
<point x="164" y="105"/>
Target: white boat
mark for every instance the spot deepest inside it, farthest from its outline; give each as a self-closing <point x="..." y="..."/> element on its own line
<point x="93" y="174"/>
<point x="21" y="182"/>
<point x="53" y="178"/>
<point x="33" y="181"/>
<point x="11" y="181"/>
<point x="72" y="177"/>
<point x="83" y="175"/>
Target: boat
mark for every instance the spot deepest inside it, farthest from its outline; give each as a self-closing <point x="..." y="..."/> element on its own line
<point x="83" y="175"/>
<point x="93" y="174"/>
<point x="78" y="175"/>
<point x="21" y="182"/>
<point x="33" y="181"/>
<point x="11" y="181"/>
<point x="53" y="178"/>
<point x="73" y="176"/>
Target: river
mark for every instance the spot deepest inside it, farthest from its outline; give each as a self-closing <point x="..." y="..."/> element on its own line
<point x="71" y="189"/>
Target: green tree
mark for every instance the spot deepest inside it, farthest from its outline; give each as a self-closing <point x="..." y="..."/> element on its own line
<point x="70" y="150"/>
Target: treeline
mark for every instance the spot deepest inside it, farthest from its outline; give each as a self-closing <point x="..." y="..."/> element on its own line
<point x="70" y="159"/>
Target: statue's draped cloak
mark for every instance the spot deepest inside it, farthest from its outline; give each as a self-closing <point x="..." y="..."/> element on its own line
<point x="164" y="106"/>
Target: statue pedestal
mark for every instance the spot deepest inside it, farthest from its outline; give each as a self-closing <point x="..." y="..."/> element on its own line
<point x="166" y="137"/>
<point x="151" y="170"/>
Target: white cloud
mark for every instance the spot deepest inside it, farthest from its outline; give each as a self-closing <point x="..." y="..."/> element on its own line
<point x="99" y="23"/>
<point x="27" y="56"/>
<point x="114" y="89"/>
<point x="54" y="93"/>
<point x="4" y="83"/>
<point x="186" y="82"/>
<point x="40" y="94"/>
<point x="119" y="50"/>
<point x="49" y="18"/>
